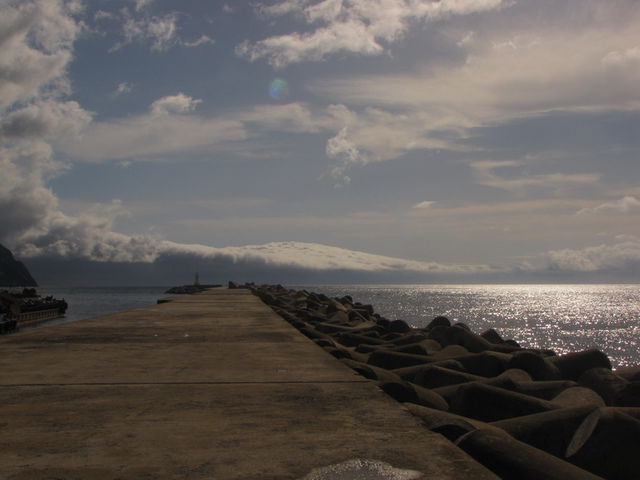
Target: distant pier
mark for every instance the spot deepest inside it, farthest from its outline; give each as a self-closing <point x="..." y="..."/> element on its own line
<point x="208" y="386"/>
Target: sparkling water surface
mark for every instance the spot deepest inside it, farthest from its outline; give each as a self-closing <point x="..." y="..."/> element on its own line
<point x="564" y="318"/>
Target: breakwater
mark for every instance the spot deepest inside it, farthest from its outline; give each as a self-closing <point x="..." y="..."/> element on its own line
<point x="212" y="386"/>
<point x="522" y="413"/>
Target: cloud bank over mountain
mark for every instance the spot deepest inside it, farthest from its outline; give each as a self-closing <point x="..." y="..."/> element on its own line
<point x="301" y="263"/>
<point x="495" y="72"/>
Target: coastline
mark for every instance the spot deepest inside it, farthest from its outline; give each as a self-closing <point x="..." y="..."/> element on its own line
<point x="544" y="316"/>
<point x="524" y="413"/>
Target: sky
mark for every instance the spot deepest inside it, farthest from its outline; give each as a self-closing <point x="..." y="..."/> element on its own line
<point x="343" y="140"/>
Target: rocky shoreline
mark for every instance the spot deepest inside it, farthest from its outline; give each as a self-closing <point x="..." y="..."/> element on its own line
<point x="522" y="413"/>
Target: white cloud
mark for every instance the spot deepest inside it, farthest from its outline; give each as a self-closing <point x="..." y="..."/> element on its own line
<point x="499" y="84"/>
<point x="36" y="39"/>
<point x="283" y="7"/>
<point x="36" y="46"/>
<point x="29" y="210"/>
<point x="160" y="32"/>
<point x="624" y="256"/>
<point x="24" y="199"/>
<point x="317" y="257"/>
<point x="345" y="151"/>
<point x="44" y="119"/>
<point x="356" y="26"/>
<point x="122" y="89"/>
<point x="203" y="40"/>
<point x="153" y="136"/>
<point x="375" y="135"/>
<point x="514" y="67"/>
<point x="179" y="103"/>
<point x="624" y="205"/>
<point x="88" y="235"/>
<point x="104" y="15"/>
<point x="295" y="48"/>
<point x="291" y="117"/>
<point x="142" y="4"/>
<point x="171" y="127"/>
<point x="519" y="181"/>
<point x="618" y="57"/>
<point x="32" y="220"/>
<point x="355" y="138"/>
<point x="507" y="68"/>
<point x="545" y="208"/>
<point x="424" y="205"/>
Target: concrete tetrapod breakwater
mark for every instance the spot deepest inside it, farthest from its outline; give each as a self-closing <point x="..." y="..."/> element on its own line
<point x="207" y="386"/>
<point x="522" y="413"/>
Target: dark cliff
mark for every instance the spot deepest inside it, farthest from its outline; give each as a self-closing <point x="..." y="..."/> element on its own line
<point x="12" y="272"/>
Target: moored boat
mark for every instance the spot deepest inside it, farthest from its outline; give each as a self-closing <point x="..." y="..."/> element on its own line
<point x="18" y="309"/>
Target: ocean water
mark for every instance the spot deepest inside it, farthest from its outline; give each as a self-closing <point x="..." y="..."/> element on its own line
<point x="87" y="302"/>
<point x="564" y="318"/>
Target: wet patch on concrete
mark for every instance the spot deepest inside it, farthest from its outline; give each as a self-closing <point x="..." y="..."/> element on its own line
<point x="358" y="469"/>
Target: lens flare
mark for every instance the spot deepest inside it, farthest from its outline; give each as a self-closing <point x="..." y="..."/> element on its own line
<point x="278" y="89"/>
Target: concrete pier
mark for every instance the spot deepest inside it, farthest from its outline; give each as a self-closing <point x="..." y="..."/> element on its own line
<point x="209" y="386"/>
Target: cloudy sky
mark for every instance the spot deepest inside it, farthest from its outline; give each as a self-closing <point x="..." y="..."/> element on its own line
<point x="453" y="137"/>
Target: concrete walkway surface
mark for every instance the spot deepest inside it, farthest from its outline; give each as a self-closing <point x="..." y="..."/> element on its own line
<point x="208" y="386"/>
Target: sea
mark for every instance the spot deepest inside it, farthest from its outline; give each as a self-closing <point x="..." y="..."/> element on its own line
<point x="563" y="318"/>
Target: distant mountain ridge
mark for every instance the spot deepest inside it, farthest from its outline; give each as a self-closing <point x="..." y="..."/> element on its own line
<point x="12" y="272"/>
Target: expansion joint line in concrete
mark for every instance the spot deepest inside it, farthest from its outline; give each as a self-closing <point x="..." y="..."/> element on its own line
<point x="126" y="384"/>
